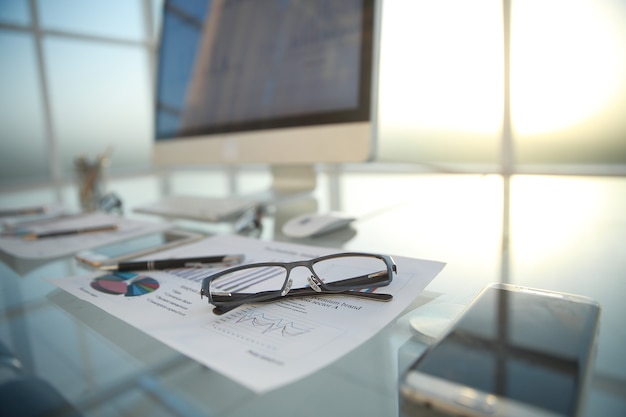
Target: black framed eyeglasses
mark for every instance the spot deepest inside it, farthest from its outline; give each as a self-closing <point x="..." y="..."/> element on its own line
<point x="336" y="274"/>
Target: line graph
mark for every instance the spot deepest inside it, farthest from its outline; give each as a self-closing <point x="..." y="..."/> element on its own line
<point x="272" y="329"/>
<point x="267" y="324"/>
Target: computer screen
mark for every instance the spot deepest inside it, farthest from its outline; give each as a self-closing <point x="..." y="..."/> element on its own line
<point x="282" y="82"/>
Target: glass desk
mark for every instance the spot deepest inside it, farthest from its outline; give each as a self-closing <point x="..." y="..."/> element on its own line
<point x="557" y="233"/>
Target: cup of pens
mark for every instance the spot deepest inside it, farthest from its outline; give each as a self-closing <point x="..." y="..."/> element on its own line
<point x="90" y="179"/>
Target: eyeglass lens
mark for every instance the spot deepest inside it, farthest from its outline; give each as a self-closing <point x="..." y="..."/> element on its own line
<point x="250" y="280"/>
<point x="354" y="271"/>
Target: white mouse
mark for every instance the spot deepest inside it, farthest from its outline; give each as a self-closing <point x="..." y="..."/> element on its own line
<point x="315" y="224"/>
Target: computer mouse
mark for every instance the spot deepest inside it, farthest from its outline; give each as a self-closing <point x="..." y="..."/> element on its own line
<point x="315" y="224"/>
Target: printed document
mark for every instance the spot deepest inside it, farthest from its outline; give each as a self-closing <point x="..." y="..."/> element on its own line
<point x="262" y="346"/>
<point x="52" y="247"/>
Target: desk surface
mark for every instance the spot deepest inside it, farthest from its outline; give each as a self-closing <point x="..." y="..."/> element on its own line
<point x="558" y="233"/>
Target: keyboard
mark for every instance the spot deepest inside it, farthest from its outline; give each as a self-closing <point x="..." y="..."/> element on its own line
<point x="209" y="209"/>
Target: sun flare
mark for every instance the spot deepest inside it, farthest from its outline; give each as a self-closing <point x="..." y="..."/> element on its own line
<point x="564" y="65"/>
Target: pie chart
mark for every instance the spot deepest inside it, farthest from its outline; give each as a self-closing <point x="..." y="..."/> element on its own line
<point x="127" y="284"/>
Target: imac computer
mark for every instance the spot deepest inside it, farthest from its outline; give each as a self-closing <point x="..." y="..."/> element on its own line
<point x="288" y="83"/>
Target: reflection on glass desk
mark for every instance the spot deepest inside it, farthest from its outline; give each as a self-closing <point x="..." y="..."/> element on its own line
<point x="559" y="233"/>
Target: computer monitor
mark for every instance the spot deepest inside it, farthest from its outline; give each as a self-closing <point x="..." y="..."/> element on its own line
<point x="290" y="83"/>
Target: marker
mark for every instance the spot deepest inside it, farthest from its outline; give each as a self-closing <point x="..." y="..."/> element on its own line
<point x="161" y="264"/>
<point x="69" y="232"/>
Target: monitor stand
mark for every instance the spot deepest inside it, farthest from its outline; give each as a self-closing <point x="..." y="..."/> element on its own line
<point x="291" y="193"/>
<point x="290" y="179"/>
<point x="289" y="183"/>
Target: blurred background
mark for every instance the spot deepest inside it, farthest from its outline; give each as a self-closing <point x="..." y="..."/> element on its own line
<point x="77" y="78"/>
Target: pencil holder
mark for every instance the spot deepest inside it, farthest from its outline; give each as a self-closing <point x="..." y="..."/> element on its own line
<point x="90" y="181"/>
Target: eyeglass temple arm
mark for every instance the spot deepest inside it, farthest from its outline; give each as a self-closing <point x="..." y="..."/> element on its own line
<point x="305" y="292"/>
<point x="364" y="280"/>
<point x="239" y="299"/>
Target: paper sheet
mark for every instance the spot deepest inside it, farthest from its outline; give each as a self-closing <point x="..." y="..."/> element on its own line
<point x="67" y="245"/>
<point x="37" y="213"/>
<point x="263" y="346"/>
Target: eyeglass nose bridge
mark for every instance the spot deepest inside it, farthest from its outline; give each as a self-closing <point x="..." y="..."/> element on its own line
<point x="314" y="281"/>
<point x="287" y="287"/>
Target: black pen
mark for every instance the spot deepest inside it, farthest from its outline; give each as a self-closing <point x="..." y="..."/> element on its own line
<point x="68" y="232"/>
<point x="160" y="264"/>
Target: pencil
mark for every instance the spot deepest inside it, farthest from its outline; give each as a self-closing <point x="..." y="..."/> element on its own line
<point x="24" y="211"/>
<point x="69" y="232"/>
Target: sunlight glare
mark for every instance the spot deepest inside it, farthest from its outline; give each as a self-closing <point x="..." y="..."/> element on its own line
<point x="565" y="62"/>
<point x="550" y="214"/>
<point x="441" y="65"/>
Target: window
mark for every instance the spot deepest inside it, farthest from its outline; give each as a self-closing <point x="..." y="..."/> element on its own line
<point x="568" y="82"/>
<point x="442" y="90"/>
<point x="75" y="80"/>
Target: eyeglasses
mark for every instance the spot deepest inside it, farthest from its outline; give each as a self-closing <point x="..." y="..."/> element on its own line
<point x="336" y="274"/>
